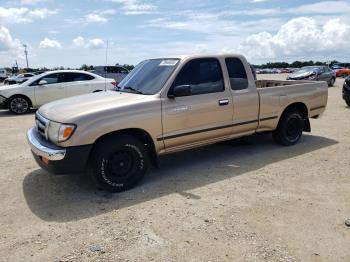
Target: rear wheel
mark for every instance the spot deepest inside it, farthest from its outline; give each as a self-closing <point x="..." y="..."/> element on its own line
<point x="118" y="163"/>
<point x="331" y="82"/>
<point x="290" y="128"/>
<point x="347" y="102"/>
<point x="19" y="105"/>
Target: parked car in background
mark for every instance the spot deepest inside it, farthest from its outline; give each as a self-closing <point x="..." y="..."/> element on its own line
<point x="18" y="79"/>
<point x="346" y="90"/>
<point x="3" y="74"/>
<point x="51" y="86"/>
<point x="168" y="105"/>
<point x="116" y="72"/>
<point x="39" y="72"/>
<point x="343" y="72"/>
<point x="314" y="73"/>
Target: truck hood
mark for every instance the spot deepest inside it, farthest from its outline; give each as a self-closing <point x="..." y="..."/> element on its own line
<point x="69" y="110"/>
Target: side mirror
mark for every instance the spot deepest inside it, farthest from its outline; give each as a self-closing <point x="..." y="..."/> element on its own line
<point x="182" y="90"/>
<point x="42" y="82"/>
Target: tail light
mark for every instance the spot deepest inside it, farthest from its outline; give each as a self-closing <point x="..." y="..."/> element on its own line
<point x="114" y="83"/>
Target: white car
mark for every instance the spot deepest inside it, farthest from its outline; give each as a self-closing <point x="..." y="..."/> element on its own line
<point x="18" y="79"/>
<point x="51" y="86"/>
<point x="3" y="74"/>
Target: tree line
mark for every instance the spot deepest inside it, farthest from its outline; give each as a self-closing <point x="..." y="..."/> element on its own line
<point x="295" y="64"/>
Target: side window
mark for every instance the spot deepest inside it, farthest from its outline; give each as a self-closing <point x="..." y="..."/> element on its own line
<point x="50" y="79"/>
<point x="203" y="75"/>
<point x="74" y="77"/>
<point x="237" y="74"/>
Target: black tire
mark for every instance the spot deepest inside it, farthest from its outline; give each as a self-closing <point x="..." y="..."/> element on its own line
<point x="118" y="163"/>
<point x="331" y="82"/>
<point x="19" y="105"/>
<point x="290" y="128"/>
<point x="347" y="102"/>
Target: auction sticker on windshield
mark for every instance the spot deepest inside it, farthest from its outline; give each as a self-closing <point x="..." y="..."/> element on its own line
<point x="168" y="62"/>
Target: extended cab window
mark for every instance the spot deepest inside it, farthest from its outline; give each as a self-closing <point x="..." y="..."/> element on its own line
<point x="122" y="70"/>
<point x="202" y="75"/>
<point x="237" y="73"/>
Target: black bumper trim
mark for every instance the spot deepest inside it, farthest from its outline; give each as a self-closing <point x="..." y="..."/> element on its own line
<point x="75" y="161"/>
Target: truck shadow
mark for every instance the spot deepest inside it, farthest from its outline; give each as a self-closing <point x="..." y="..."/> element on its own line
<point x="69" y="198"/>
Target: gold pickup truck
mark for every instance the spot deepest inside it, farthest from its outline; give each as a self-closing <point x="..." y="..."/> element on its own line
<point x="167" y="105"/>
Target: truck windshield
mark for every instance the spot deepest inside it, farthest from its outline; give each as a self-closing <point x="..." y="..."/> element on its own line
<point x="148" y="77"/>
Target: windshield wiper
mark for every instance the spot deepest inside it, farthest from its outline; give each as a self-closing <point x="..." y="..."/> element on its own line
<point x="133" y="90"/>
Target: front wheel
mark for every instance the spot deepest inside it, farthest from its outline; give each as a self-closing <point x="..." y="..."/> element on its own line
<point x="19" y="105"/>
<point x="118" y="163"/>
<point x="290" y="128"/>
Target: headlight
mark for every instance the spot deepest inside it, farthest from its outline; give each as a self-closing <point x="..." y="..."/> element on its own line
<point x="60" y="132"/>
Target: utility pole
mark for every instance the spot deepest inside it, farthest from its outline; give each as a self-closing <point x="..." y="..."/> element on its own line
<point x="26" y="53"/>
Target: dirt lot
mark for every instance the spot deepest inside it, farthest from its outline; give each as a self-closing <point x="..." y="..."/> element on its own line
<point x="250" y="200"/>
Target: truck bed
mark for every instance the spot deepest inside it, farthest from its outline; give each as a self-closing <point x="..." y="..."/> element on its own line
<point x="276" y="95"/>
<point x="273" y="83"/>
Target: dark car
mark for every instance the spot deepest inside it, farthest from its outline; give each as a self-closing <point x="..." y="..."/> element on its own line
<point x="315" y="73"/>
<point x="346" y="90"/>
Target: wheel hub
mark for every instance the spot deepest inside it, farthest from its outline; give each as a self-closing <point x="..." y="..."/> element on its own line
<point x="120" y="164"/>
<point x="293" y="128"/>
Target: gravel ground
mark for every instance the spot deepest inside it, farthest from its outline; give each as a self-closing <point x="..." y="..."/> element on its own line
<point x="246" y="200"/>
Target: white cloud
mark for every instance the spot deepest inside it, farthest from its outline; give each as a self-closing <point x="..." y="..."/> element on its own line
<point x="54" y="32"/>
<point x="79" y="42"/>
<point x="91" y="18"/>
<point x="7" y="43"/>
<point x="299" y="37"/>
<point x="23" y="15"/>
<point x="97" y="16"/>
<point x="41" y="13"/>
<point x="95" y="43"/>
<point x="324" y="7"/>
<point x="50" y="43"/>
<point x="212" y="23"/>
<point x="135" y="7"/>
<point x="10" y="48"/>
<point x="32" y="2"/>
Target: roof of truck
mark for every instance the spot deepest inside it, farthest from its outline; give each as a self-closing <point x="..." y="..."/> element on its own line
<point x="204" y="55"/>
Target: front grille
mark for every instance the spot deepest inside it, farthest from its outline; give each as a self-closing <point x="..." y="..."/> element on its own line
<point x="42" y="124"/>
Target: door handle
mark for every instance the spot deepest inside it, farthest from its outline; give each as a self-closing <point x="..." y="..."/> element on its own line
<point x="223" y="102"/>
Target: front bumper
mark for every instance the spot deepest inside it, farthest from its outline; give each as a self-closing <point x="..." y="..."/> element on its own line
<point x="3" y="102"/>
<point x="346" y="96"/>
<point x="57" y="160"/>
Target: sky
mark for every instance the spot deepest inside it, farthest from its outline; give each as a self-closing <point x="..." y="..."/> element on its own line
<point x="70" y="33"/>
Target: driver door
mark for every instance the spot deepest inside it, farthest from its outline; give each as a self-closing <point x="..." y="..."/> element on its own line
<point x="53" y="90"/>
<point x="204" y="115"/>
